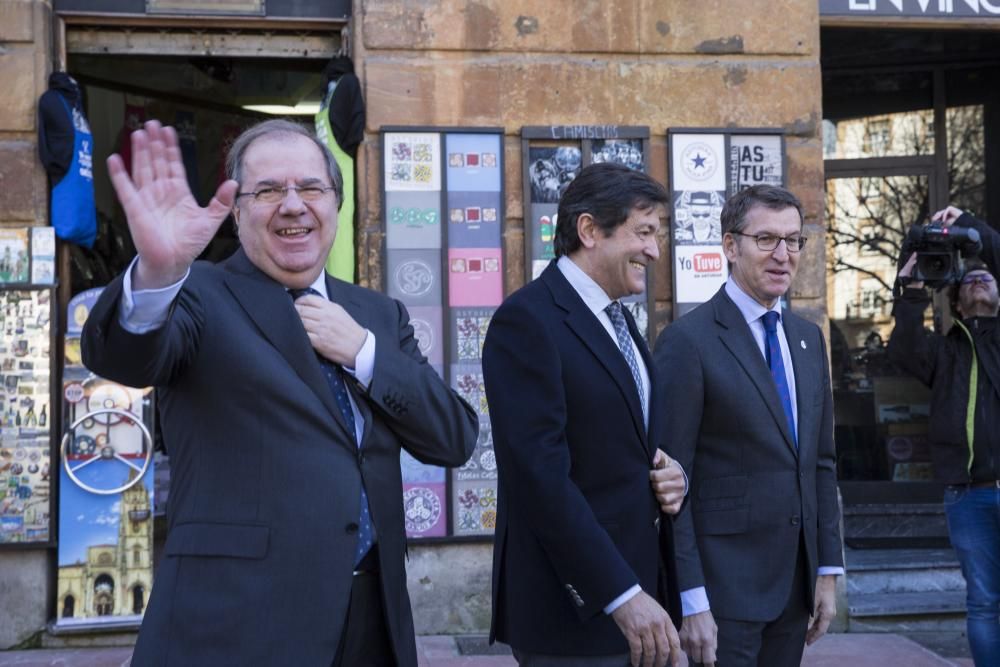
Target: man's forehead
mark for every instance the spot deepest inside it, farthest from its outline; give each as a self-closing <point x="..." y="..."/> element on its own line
<point x="762" y="218"/>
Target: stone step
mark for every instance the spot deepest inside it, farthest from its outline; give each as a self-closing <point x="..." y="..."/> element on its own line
<point x="871" y="571"/>
<point x="938" y="611"/>
<point x="917" y="525"/>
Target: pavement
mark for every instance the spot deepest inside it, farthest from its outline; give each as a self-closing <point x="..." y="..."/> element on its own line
<point x="855" y="650"/>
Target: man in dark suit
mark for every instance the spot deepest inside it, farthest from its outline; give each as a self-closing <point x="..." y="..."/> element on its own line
<point x="284" y="420"/>
<point x="583" y="564"/>
<point x="745" y="396"/>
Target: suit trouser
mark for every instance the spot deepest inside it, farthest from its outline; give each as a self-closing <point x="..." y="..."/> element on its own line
<point x="365" y="641"/>
<point x="778" y="643"/>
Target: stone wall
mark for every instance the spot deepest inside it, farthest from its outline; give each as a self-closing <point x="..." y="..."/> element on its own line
<point x="659" y="63"/>
<point x="25" y="61"/>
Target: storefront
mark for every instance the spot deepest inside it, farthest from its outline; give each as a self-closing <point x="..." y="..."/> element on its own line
<point x="476" y="117"/>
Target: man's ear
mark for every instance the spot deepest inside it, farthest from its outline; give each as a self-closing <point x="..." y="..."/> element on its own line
<point x="729" y="247"/>
<point x="587" y="230"/>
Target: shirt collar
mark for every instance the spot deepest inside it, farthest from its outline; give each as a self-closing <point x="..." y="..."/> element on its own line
<point x="592" y="294"/>
<point x="320" y="285"/>
<point x="748" y="306"/>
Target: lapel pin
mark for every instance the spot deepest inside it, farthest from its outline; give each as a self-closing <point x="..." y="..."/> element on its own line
<point x="803" y="344"/>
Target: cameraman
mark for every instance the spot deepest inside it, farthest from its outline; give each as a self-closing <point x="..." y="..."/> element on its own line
<point x="962" y="369"/>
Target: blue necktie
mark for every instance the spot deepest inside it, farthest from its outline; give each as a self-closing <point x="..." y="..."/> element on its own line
<point x="772" y="351"/>
<point x="332" y="373"/>
<point x="614" y="311"/>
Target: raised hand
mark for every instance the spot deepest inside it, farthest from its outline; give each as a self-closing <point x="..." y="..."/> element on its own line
<point x="168" y="226"/>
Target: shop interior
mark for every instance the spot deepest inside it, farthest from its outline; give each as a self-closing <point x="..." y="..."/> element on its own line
<point x="911" y="124"/>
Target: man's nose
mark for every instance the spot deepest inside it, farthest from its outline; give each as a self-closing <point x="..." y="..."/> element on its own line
<point x="652" y="249"/>
<point x="292" y="202"/>
<point x="780" y="251"/>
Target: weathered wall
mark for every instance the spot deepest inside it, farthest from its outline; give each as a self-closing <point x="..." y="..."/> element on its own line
<point x="512" y="63"/>
<point x="25" y="59"/>
<point x="659" y="63"/>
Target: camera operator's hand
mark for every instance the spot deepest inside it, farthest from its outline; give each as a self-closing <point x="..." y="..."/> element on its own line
<point x="907" y="271"/>
<point x="947" y="216"/>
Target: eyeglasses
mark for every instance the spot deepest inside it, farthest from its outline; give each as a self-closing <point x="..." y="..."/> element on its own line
<point x="983" y="278"/>
<point x="308" y="193"/>
<point x="769" y="242"/>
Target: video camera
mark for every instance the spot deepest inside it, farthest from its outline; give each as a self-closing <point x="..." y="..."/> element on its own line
<point x="941" y="252"/>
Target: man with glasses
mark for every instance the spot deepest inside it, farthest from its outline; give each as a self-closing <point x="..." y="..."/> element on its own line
<point x="745" y="395"/>
<point x="962" y="369"/>
<point x="285" y="396"/>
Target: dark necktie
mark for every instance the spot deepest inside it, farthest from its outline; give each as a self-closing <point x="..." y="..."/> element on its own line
<point x="331" y="372"/>
<point x="614" y="311"/>
<point x="772" y="351"/>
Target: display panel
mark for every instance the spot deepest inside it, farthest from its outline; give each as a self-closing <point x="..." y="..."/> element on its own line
<point x="25" y="415"/>
<point x="706" y="167"/>
<point x="443" y="213"/>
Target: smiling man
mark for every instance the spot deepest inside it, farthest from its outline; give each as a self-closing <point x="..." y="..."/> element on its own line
<point x="745" y="398"/>
<point x="285" y="397"/>
<point x="583" y="563"/>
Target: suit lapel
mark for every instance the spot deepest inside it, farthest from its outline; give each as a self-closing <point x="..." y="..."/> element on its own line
<point x="737" y="337"/>
<point x="270" y="308"/>
<point x="589" y="330"/>
<point x="805" y="370"/>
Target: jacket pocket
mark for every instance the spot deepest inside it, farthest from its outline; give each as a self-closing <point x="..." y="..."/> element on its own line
<point x="231" y="540"/>
<point x="722" y="522"/>
<point x="723" y="487"/>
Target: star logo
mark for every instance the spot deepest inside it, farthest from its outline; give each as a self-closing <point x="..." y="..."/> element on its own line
<point x="699" y="162"/>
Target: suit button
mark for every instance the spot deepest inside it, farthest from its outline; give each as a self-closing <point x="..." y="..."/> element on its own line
<point x="351" y="528"/>
<point x="794" y="521"/>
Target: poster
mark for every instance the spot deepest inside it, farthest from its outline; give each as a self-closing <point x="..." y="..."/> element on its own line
<point x="627" y="152"/>
<point x="412" y="161"/>
<point x="413" y="219"/>
<point x="550" y="170"/>
<point x="473" y="162"/>
<point x="43" y="256"/>
<point x="107" y="491"/>
<point x="14" y="265"/>
<point x="475" y="277"/>
<point x="25" y="416"/>
<point x="755" y="159"/>
<point x="414" y="276"/>
<point x="697" y="217"/>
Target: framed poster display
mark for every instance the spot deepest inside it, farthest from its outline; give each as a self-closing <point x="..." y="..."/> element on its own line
<point x="443" y="215"/>
<point x="552" y="157"/>
<point x="26" y="416"/>
<point x="707" y="166"/>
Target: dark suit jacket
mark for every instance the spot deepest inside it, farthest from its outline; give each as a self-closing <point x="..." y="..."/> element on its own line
<point x="752" y="492"/>
<point x="578" y="523"/>
<point x="265" y="477"/>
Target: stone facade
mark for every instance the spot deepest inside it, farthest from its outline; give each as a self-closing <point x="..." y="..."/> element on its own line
<point x="656" y="63"/>
<point x="26" y="58"/>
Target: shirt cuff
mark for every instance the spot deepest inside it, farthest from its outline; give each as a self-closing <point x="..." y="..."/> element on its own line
<point x="830" y="569"/>
<point x="686" y="483"/>
<point x="694" y="601"/>
<point x="144" y="310"/>
<point x="364" y="362"/>
<point x="622" y="599"/>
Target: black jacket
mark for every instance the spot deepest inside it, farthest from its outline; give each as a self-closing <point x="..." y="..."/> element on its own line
<point x="55" y="126"/>
<point x="944" y="363"/>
